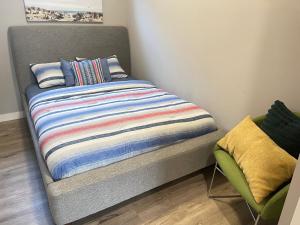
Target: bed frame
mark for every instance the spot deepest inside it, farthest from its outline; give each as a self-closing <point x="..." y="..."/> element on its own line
<point x="84" y="194"/>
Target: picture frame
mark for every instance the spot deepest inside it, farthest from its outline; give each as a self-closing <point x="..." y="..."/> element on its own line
<point x="72" y="11"/>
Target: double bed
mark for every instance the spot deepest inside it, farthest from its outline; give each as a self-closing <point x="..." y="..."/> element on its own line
<point x="143" y="145"/>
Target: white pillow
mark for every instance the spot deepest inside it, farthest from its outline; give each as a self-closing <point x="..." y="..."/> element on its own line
<point x="48" y="74"/>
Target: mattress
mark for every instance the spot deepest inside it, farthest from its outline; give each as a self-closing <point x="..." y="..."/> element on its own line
<point x="83" y="128"/>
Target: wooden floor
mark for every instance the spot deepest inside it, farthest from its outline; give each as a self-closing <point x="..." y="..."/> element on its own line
<point x="23" y="200"/>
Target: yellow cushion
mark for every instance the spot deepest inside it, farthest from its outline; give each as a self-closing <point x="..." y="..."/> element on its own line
<point x="265" y="165"/>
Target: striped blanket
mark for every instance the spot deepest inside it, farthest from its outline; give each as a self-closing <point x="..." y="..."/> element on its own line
<point x="86" y="127"/>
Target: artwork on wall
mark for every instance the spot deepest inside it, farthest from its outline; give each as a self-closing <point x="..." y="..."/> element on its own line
<point x="79" y="11"/>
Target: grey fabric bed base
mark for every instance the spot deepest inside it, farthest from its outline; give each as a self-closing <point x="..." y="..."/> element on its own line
<point x="76" y="197"/>
<point x="84" y="194"/>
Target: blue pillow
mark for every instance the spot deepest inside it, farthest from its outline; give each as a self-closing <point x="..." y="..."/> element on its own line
<point x="105" y="69"/>
<point x="67" y="69"/>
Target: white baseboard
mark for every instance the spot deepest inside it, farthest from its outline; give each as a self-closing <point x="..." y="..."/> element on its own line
<point x="11" y="116"/>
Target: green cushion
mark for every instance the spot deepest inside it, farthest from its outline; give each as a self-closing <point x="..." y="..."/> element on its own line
<point x="283" y="126"/>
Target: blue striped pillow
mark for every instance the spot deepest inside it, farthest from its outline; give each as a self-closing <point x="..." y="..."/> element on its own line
<point x="88" y="72"/>
<point x="48" y="74"/>
<point x="114" y="68"/>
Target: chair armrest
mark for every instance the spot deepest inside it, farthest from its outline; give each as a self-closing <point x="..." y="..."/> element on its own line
<point x="274" y="205"/>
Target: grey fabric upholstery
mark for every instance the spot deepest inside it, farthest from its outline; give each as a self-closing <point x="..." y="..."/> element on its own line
<point x="84" y="194"/>
<point x="88" y="193"/>
<point x="37" y="44"/>
<point x="81" y="195"/>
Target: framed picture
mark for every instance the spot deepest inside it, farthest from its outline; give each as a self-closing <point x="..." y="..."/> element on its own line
<point x="76" y="11"/>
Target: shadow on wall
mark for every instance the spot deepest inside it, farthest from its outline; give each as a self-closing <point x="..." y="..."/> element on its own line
<point x="277" y="64"/>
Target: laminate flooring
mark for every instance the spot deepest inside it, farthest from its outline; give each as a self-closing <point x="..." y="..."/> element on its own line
<point x="184" y="202"/>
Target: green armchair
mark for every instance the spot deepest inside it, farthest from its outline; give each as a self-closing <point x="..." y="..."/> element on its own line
<point x="270" y="208"/>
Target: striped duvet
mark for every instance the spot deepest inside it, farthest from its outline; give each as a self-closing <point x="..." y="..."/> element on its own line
<point x="86" y="127"/>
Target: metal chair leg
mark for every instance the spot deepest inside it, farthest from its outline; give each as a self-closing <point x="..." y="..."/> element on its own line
<point x="252" y="214"/>
<point x="257" y="220"/>
<point x="210" y="195"/>
<point x="212" y="181"/>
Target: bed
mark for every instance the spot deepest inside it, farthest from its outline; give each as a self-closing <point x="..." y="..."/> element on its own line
<point x="77" y="195"/>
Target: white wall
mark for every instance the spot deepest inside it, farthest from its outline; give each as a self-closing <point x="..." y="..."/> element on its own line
<point x="232" y="57"/>
<point x="12" y="13"/>
<point x="296" y="217"/>
<point x="291" y="210"/>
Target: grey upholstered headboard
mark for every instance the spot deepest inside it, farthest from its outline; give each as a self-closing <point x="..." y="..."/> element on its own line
<point x="39" y="44"/>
